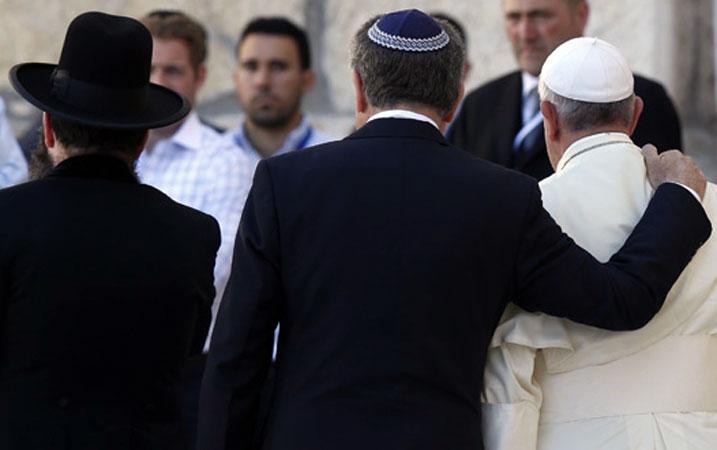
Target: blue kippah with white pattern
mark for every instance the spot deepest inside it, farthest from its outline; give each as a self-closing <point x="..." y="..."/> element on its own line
<point x="410" y="30"/>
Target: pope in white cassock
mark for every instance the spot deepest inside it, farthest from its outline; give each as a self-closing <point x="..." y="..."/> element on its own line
<point x="552" y="384"/>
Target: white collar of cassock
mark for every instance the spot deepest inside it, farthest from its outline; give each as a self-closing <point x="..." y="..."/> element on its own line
<point x="402" y="114"/>
<point x="595" y="141"/>
<point x="589" y="143"/>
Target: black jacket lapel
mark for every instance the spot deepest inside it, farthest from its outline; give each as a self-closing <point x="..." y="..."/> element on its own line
<point x="509" y="118"/>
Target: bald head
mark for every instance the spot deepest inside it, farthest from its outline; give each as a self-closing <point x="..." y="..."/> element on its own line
<point x="536" y="27"/>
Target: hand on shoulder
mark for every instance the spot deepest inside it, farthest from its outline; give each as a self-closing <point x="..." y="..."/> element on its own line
<point x="673" y="167"/>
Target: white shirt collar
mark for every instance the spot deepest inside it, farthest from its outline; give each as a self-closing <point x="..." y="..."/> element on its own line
<point x="530" y="82"/>
<point x="189" y="134"/>
<point x="402" y="114"/>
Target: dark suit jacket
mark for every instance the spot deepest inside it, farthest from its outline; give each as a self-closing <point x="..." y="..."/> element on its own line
<point x="105" y="285"/>
<point x="490" y="117"/>
<point x="388" y="258"/>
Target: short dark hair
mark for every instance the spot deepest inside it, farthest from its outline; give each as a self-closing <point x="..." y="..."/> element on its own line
<point x="280" y="26"/>
<point x="88" y="139"/>
<point x="391" y="77"/>
<point x="170" y="24"/>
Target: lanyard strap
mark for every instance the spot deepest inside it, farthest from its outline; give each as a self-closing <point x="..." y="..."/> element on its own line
<point x="305" y="139"/>
<point x="241" y="142"/>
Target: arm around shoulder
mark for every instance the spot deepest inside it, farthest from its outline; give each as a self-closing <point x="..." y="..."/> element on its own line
<point x="556" y="276"/>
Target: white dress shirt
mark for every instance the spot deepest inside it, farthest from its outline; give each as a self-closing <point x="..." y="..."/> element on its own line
<point x="200" y="169"/>
<point x="402" y="114"/>
<point x="13" y="167"/>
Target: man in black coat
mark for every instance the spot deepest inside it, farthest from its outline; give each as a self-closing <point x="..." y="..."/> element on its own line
<point x="105" y="284"/>
<point x="388" y="259"/>
<point x="493" y="116"/>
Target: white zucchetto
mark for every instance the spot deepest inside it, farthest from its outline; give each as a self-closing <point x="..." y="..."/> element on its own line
<point x="588" y="69"/>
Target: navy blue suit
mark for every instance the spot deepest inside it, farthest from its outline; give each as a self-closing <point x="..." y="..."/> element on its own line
<point x="388" y="258"/>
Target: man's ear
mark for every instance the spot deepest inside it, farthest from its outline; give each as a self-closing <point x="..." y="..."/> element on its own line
<point x="448" y="118"/>
<point x="201" y="75"/>
<point x="636" y="113"/>
<point x="553" y="133"/>
<point x="550" y="121"/>
<point x="308" y="82"/>
<point x="361" y="101"/>
<point x="48" y="132"/>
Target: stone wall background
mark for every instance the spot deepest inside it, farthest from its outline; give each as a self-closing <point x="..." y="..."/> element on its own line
<point x="668" y="40"/>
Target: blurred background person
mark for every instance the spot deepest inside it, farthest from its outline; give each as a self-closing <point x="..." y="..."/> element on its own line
<point x="501" y="120"/>
<point x="106" y="284"/>
<point x="190" y="161"/>
<point x="272" y="76"/>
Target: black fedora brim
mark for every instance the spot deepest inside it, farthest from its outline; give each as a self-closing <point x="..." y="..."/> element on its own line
<point x="163" y="107"/>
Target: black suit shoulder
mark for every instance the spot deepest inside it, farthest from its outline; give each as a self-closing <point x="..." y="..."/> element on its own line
<point x="480" y="104"/>
<point x="333" y="156"/>
<point x="492" y="88"/>
<point x="204" y="223"/>
<point x="489" y="118"/>
<point x="146" y="198"/>
<point x="659" y="123"/>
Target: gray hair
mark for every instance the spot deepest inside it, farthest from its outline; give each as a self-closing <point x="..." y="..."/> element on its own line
<point x="577" y="115"/>
<point x="392" y="77"/>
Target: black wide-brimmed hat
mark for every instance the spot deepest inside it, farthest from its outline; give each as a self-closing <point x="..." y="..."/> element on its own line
<point x="102" y="78"/>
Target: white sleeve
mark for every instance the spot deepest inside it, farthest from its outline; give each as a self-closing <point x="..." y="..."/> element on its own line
<point x="511" y="400"/>
<point x="511" y="397"/>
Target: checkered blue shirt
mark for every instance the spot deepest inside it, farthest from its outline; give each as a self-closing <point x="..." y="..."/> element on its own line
<point x="13" y="167"/>
<point x="200" y="169"/>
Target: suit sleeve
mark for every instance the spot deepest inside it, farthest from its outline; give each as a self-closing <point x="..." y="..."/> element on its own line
<point x="456" y="134"/>
<point x="556" y="276"/>
<point x="240" y="352"/>
<point x="204" y="315"/>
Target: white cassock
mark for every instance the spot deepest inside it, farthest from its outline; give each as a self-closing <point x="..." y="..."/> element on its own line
<point x="552" y="384"/>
